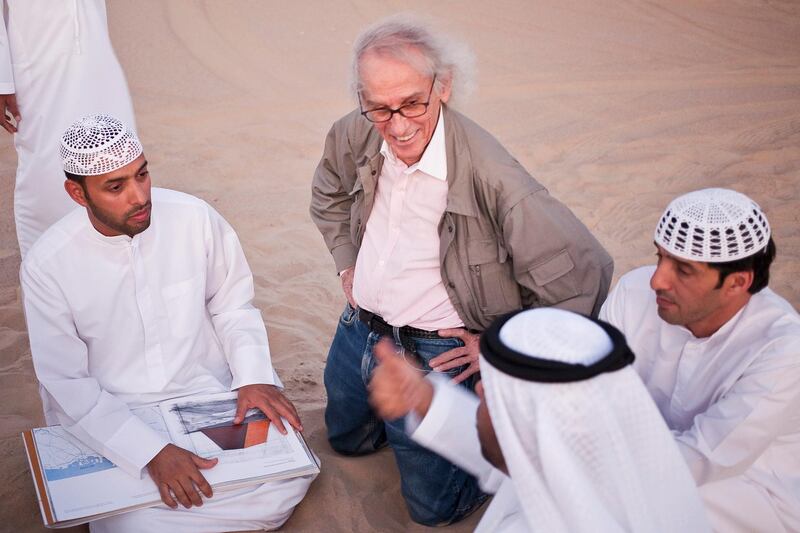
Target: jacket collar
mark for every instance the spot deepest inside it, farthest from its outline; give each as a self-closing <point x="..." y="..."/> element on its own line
<point x="460" y="185"/>
<point x="433" y="161"/>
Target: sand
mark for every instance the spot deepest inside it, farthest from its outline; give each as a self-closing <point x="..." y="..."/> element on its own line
<point x="615" y="106"/>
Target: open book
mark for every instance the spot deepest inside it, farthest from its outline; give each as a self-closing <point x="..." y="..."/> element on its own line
<point x="75" y="484"/>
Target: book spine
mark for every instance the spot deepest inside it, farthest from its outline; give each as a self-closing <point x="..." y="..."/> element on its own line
<point x="38" y="478"/>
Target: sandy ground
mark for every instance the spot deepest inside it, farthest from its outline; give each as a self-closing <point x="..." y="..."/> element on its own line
<point x="616" y="106"/>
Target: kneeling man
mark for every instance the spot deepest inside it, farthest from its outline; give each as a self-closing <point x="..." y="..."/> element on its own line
<point x="562" y="431"/>
<point x="125" y="310"/>
<point x="719" y="353"/>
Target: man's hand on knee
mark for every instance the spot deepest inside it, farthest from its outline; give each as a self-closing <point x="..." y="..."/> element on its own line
<point x="176" y="473"/>
<point x="396" y="387"/>
<point x="269" y="400"/>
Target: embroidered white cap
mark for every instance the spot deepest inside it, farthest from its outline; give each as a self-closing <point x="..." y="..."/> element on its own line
<point x="713" y="226"/>
<point x="98" y="144"/>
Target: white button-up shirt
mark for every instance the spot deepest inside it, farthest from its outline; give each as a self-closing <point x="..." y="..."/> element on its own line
<point x="398" y="269"/>
<point x="732" y="399"/>
<point x="120" y="322"/>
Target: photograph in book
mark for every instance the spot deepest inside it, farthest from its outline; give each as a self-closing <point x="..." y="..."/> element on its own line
<point x="211" y="432"/>
<point x="204" y="425"/>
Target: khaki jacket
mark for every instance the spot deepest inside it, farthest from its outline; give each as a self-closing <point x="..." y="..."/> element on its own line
<point x="505" y="243"/>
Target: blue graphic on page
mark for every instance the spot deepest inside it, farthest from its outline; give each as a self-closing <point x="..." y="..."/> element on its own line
<point x="63" y="456"/>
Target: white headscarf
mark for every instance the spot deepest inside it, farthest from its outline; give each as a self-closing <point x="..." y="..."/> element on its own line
<point x="591" y="455"/>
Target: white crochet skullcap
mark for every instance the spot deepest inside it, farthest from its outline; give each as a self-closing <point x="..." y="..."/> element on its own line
<point x="556" y="335"/>
<point x="98" y="144"/>
<point x="713" y="226"/>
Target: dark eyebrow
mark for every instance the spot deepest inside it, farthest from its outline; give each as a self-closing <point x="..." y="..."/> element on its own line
<point x="678" y="261"/>
<point x="123" y="178"/>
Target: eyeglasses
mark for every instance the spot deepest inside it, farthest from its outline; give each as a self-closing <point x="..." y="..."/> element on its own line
<point x="385" y="114"/>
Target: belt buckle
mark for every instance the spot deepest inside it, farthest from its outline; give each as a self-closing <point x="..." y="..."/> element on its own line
<point x="408" y="345"/>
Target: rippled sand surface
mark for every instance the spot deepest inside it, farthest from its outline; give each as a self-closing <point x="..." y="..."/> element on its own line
<point x="616" y="106"/>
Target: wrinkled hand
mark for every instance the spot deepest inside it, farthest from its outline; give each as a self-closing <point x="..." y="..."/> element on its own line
<point x="9" y="109"/>
<point x="347" y="285"/>
<point x="396" y="388"/>
<point x="269" y="400"/>
<point x="463" y="355"/>
<point x="177" y="471"/>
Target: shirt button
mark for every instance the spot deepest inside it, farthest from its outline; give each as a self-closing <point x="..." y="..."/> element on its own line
<point x="451" y="285"/>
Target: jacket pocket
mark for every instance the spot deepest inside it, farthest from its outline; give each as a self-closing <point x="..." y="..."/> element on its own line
<point x="554" y="280"/>
<point x="492" y="280"/>
<point x="356" y="209"/>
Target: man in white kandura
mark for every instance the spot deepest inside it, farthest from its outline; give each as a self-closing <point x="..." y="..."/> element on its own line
<point x="125" y="311"/>
<point x="562" y="432"/>
<point x="720" y="354"/>
<point x="56" y="65"/>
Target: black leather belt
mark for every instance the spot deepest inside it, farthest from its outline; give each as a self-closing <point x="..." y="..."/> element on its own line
<point x="377" y="324"/>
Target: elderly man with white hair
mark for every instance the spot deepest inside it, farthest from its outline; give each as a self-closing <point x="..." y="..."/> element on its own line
<point x="562" y="432"/>
<point x="720" y="354"/>
<point x="141" y="296"/>
<point x="435" y="230"/>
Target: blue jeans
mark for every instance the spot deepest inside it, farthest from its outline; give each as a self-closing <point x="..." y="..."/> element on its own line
<point x="435" y="490"/>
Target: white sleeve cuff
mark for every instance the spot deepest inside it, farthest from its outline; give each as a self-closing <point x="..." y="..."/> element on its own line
<point x="250" y="365"/>
<point x="133" y="446"/>
<point x="449" y="429"/>
<point x="445" y="397"/>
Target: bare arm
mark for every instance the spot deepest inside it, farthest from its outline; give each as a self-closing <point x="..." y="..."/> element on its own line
<point x="9" y="110"/>
<point x="8" y="97"/>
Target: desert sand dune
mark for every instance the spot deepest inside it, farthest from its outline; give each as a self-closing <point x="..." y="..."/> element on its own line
<point x="616" y="106"/>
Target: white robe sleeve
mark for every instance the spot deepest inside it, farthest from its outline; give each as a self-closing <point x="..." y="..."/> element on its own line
<point x="449" y="429"/>
<point x="229" y="299"/>
<point x="732" y="434"/>
<point x="613" y="308"/>
<point x="83" y="407"/>
<point x="6" y="72"/>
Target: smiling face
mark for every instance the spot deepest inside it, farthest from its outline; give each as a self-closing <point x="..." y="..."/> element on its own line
<point x="117" y="202"/>
<point x="689" y="294"/>
<point x="388" y="82"/>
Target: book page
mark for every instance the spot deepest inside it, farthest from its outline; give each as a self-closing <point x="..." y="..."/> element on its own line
<point x="81" y="482"/>
<point x="254" y="448"/>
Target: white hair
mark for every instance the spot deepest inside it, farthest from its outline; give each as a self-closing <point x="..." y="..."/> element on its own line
<point x="400" y="36"/>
